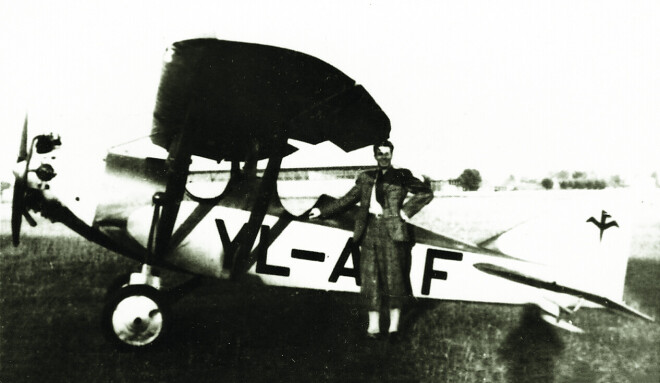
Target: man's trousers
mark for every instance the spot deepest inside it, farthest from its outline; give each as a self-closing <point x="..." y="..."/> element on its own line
<point x="382" y="266"/>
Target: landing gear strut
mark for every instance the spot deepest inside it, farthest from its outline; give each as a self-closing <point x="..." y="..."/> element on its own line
<point x="138" y="313"/>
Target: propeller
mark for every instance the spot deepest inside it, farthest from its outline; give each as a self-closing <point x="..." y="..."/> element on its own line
<point x="19" y="209"/>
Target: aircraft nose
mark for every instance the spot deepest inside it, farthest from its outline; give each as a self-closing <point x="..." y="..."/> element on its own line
<point x="19" y="169"/>
<point x="30" y="178"/>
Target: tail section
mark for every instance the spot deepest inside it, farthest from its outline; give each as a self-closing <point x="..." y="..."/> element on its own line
<point x="582" y="243"/>
<point x="555" y="311"/>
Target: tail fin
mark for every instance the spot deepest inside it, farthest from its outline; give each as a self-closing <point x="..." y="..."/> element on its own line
<point x="584" y="239"/>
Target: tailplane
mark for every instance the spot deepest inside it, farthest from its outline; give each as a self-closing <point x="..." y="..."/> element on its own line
<point x="583" y="242"/>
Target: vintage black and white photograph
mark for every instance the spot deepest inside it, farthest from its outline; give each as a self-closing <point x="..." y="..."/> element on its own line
<point x="330" y="191"/>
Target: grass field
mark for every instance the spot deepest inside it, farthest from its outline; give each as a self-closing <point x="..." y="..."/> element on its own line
<point x="52" y="289"/>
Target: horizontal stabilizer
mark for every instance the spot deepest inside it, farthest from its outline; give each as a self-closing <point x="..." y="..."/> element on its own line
<point x="518" y="277"/>
<point x="561" y="323"/>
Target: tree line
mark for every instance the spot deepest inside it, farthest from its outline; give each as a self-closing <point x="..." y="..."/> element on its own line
<point x="581" y="180"/>
<point x="470" y="180"/>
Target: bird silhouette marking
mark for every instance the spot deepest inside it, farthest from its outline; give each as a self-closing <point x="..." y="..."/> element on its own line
<point x="603" y="224"/>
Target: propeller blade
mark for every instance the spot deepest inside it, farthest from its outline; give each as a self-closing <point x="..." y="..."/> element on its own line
<point x="29" y="218"/>
<point x="16" y="212"/>
<point x="18" y="209"/>
<point x="22" y="149"/>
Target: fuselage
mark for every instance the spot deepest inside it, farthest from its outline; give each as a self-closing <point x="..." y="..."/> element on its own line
<point x="290" y="250"/>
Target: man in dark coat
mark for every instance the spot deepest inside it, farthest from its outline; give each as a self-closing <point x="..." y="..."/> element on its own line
<point x="382" y="232"/>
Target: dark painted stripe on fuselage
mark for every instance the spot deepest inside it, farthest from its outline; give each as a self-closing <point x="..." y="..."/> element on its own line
<point x="200" y="212"/>
<point x="273" y="233"/>
<point x="307" y="255"/>
<point x="448" y="255"/>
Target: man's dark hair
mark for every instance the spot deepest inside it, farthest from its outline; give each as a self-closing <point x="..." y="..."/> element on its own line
<point x="383" y="143"/>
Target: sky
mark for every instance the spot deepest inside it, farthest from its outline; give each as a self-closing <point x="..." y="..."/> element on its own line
<point x="504" y="87"/>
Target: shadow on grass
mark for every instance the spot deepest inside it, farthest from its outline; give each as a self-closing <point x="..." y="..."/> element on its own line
<point x="51" y="299"/>
<point x="260" y="333"/>
<point x="531" y="349"/>
<point x="642" y="284"/>
<point x="51" y="296"/>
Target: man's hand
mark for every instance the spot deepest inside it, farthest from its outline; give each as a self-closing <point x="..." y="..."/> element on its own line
<point x="404" y="216"/>
<point x="314" y="213"/>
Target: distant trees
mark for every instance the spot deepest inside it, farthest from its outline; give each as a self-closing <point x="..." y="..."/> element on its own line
<point x="470" y="179"/>
<point x="547" y="183"/>
<point x="582" y="180"/>
<point x="579" y="175"/>
<point x="616" y="181"/>
<point x="562" y="175"/>
<point x="583" y="184"/>
<point x="3" y="186"/>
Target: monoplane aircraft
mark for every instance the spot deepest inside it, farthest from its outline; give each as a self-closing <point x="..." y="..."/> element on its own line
<point x="240" y="103"/>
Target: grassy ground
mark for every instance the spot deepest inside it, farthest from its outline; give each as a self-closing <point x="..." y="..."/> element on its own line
<point x="52" y="288"/>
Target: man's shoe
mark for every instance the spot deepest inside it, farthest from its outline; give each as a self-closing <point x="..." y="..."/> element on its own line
<point x="394" y="337"/>
<point x="373" y="336"/>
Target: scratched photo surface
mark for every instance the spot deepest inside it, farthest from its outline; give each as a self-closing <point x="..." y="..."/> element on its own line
<point x="521" y="92"/>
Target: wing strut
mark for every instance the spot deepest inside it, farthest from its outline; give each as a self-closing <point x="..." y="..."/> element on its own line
<point x="178" y="161"/>
<point x="177" y="173"/>
<point x="244" y="243"/>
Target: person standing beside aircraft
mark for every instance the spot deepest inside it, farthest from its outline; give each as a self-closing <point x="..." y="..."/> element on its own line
<point x="381" y="231"/>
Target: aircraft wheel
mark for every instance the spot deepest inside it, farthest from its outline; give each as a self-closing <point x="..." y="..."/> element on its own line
<point x="136" y="316"/>
<point x="116" y="285"/>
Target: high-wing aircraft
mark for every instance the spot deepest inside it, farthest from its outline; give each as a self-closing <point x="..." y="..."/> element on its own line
<point x="241" y="103"/>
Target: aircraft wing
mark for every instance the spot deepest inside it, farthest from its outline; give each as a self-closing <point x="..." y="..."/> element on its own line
<point x="240" y="97"/>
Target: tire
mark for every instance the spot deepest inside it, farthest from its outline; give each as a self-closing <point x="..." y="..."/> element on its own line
<point x="116" y="285"/>
<point x="136" y="317"/>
